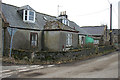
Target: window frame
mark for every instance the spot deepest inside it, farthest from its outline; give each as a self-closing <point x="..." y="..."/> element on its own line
<point x="96" y="41"/>
<point x="31" y="34"/>
<point x="69" y="38"/>
<point x="28" y="16"/>
<point x="65" y="21"/>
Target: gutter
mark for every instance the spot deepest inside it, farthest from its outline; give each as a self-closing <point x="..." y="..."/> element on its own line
<point x="43" y="29"/>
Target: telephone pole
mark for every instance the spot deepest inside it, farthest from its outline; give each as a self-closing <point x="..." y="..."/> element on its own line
<point x="110" y="24"/>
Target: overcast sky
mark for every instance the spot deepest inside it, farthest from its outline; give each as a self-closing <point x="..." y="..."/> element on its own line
<point x="83" y="12"/>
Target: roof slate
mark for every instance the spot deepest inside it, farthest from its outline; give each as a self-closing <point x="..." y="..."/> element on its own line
<point x="15" y="20"/>
<point x="94" y="30"/>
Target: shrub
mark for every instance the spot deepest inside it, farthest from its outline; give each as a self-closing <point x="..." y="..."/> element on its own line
<point x="89" y="45"/>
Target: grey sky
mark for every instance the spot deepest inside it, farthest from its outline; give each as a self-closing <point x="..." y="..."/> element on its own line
<point x="83" y="12"/>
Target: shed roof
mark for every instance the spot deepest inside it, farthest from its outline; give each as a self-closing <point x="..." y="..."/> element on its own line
<point x="94" y="30"/>
<point x="78" y="28"/>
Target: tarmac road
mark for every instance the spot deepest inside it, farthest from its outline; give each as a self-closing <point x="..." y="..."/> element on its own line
<point x="100" y="67"/>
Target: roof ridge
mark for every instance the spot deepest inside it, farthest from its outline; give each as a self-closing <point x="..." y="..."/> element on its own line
<point x="91" y="26"/>
<point x="10" y="5"/>
<point x="45" y="14"/>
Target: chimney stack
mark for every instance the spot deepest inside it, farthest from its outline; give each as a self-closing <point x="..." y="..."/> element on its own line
<point x="60" y="13"/>
<point x="63" y="14"/>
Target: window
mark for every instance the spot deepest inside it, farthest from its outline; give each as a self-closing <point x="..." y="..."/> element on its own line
<point x="69" y="40"/>
<point x="34" y="39"/>
<point x="29" y="16"/>
<point x="66" y="22"/>
<point x="81" y="39"/>
<point x="96" y="41"/>
<point x="63" y="21"/>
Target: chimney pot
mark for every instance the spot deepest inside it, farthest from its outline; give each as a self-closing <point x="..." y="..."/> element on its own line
<point x="62" y="13"/>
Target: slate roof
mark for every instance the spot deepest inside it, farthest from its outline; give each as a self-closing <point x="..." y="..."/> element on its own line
<point x="15" y="20"/>
<point x="94" y="30"/>
<point x="78" y="28"/>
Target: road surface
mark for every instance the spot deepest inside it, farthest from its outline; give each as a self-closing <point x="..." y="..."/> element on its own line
<point x="99" y="67"/>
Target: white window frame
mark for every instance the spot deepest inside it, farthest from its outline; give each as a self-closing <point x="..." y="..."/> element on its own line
<point x="34" y="39"/>
<point x="65" y="21"/>
<point x="69" y="40"/>
<point x="96" y="41"/>
<point x="68" y="23"/>
<point x="28" y="15"/>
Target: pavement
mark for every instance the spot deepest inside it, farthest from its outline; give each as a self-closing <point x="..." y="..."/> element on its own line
<point x="8" y="71"/>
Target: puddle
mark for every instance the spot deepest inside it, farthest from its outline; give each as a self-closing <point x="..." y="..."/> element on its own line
<point x="35" y="74"/>
<point x="96" y="69"/>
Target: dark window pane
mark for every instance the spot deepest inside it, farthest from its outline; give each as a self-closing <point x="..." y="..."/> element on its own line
<point x="25" y="17"/>
<point x="31" y="13"/>
<point x="34" y="39"/>
<point x="26" y="12"/>
<point x="31" y="18"/>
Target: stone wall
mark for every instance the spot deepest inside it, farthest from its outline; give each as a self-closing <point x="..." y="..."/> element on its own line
<point x="61" y="56"/>
<point x="21" y="40"/>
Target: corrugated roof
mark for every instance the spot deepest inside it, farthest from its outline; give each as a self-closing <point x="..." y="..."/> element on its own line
<point x="94" y="30"/>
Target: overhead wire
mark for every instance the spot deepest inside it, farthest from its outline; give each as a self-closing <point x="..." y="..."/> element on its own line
<point x="113" y="8"/>
<point x="94" y="12"/>
<point x="99" y="11"/>
<point x="108" y="1"/>
<point x="115" y="12"/>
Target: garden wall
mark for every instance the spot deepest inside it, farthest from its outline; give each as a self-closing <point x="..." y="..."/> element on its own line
<point x="60" y="57"/>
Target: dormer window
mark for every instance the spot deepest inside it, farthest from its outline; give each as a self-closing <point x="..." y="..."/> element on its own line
<point x="63" y="18"/>
<point x="65" y="21"/>
<point x="29" y="16"/>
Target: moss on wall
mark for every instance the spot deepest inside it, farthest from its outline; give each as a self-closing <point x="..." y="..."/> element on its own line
<point x="45" y="57"/>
